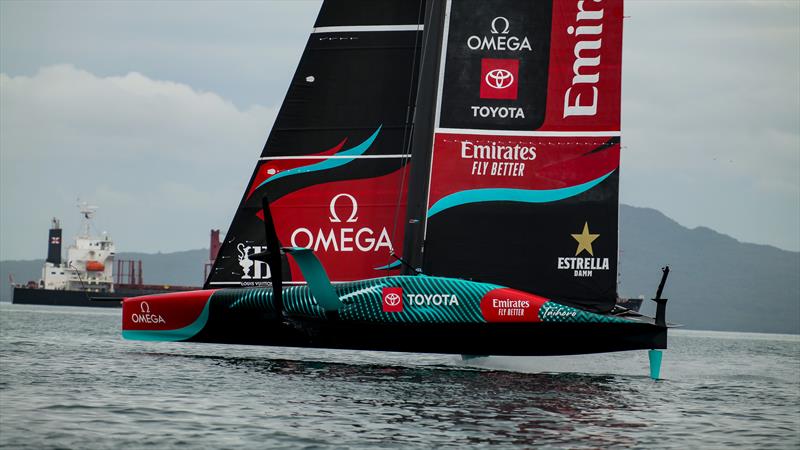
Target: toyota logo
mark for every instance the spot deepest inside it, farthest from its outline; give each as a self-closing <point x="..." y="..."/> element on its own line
<point x="499" y="78"/>
<point x="392" y="299"/>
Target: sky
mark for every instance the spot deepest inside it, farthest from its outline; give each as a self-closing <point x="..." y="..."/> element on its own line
<point x="157" y="111"/>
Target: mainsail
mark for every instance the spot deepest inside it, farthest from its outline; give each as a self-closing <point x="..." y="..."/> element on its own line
<point x="524" y="172"/>
<point x="498" y="128"/>
<point x="335" y="164"/>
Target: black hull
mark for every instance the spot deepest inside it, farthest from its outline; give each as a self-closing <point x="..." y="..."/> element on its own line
<point x="27" y="296"/>
<point x="541" y="339"/>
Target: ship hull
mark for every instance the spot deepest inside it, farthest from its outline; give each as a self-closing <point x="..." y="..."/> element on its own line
<point x="27" y="296"/>
<point x="50" y="297"/>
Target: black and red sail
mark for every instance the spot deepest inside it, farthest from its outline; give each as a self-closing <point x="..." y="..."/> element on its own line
<point x="335" y="162"/>
<point x="478" y="139"/>
<point x="524" y="173"/>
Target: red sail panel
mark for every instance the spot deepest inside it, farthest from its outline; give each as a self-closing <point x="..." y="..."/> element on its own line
<point x="465" y="162"/>
<point x="352" y="226"/>
<point x="584" y="84"/>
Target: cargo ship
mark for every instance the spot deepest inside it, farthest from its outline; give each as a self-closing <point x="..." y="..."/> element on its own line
<point x="90" y="275"/>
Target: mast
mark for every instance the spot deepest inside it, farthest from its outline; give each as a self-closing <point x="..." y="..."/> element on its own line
<point x="422" y="135"/>
<point x="87" y="213"/>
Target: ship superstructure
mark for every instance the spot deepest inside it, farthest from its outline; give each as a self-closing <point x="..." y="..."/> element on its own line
<point x="87" y="276"/>
<point x="89" y="263"/>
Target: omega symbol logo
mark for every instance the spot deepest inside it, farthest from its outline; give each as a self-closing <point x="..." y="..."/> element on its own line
<point x="392" y="299"/>
<point x="499" y="78"/>
<point x="503" y="21"/>
<point x="145" y="307"/>
<point x="334" y="218"/>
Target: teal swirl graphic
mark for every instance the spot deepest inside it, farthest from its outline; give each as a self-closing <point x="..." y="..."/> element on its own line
<point x="390" y="266"/>
<point x="511" y="195"/>
<point x="329" y="163"/>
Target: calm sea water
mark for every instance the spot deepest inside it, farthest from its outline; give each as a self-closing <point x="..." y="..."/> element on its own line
<point x="67" y="380"/>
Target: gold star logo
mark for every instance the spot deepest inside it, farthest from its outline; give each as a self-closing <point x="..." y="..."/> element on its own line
<point x="585" y="240"/>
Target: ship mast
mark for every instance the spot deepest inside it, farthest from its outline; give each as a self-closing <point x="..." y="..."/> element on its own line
<point x="87" y="213"/>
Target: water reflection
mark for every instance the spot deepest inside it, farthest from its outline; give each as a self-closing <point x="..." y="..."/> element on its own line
<point x="70" y="382"/>
<point x="459" y="404"/>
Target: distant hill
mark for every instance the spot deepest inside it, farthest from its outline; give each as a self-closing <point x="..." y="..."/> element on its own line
<point x="716" y="283"/>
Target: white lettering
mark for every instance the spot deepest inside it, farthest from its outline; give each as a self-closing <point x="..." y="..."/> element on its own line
<point x="502" y="112"/>
<point x="326" y="241"/>
<point x="497" y="303"/>
<point x="330" y="240"/>
<point x="364" y="244"/>
<point x="507" y="154"/>
<point x="576" y="108"/>
<point x="147" y="318"/>
<point x="345" y="237"/>
<point x="545" y="313"/>
<point x="342" y="239"/>
<point x="499" y="39"/>
<point x="306" y="233"/>
<point x="432" y="299"/>
<point x="587" y="265"/>
<point x="495" y="151"/>
<point x="499" y="43"/>
<point x="586" y="64"/>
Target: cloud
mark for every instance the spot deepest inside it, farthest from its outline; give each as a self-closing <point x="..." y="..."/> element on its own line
<point x="711" y="115"/>
<point x="243" y="50"/>
<point x="163" y="161"/>
<point x="128" y="117"/>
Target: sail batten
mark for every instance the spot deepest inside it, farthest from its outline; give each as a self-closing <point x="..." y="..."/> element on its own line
<point x="369" y="28"/>
<point x="272" y="158"/>
<point x="531" y="133"/>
